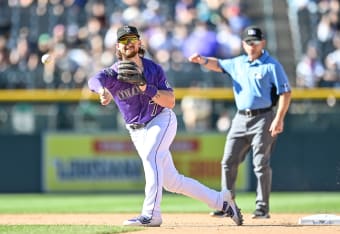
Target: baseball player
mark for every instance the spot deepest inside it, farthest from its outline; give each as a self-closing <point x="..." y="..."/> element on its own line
<point x="258" y="80"/>
<point x="142" y="94"/>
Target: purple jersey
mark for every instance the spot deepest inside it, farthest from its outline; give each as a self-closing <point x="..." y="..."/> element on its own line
<point x="135" y="106"/>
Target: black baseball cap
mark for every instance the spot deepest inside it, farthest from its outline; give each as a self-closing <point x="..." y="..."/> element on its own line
<point x="127" y="30"/>
<point x="252" y="33"/>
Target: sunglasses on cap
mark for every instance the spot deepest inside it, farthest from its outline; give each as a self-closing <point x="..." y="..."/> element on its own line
<point x="127" y="40"/>
<point x="253" y="42"/>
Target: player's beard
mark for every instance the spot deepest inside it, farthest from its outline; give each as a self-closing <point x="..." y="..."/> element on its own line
<point x="129" y="53"/>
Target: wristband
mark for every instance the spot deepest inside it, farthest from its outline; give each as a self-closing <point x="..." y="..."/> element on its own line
<point x="151" y="90"/>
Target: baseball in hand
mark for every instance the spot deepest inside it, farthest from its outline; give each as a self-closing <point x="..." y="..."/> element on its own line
<point x="46" y="58"/>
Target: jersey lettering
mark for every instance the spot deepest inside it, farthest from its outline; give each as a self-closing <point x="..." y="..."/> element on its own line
<point x="127" y="93"/>
<point x="154" y="111"/>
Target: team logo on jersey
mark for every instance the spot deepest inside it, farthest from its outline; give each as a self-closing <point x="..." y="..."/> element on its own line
<point x="285" y="86"/>
<point x="167" y="84"/>
<point x="258" y="75"/>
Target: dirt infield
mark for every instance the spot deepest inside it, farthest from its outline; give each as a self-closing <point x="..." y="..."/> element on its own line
<point x="181" y="223"/>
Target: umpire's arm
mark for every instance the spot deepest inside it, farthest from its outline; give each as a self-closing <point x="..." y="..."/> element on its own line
<point x="282" y="108"/>
<point x="210" y="63"/>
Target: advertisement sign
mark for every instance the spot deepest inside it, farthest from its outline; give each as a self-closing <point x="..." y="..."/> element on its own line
<point x="86" y="162"/>
<point x="109" y="162"/>
<point x="199" y="156"/>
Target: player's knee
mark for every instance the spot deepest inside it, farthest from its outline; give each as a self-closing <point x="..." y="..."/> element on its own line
<point x="174" y="184"/>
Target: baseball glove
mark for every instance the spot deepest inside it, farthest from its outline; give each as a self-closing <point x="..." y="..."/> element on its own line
<point x="129" y="72"/>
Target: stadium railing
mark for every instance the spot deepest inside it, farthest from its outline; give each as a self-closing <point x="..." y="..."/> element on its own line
<point x="74" y="95"/>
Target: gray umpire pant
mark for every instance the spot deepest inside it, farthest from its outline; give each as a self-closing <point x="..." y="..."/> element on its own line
<point x="250" y="134"/>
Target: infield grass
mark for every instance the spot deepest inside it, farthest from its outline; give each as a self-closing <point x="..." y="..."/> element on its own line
<point x="63" y="229"/>
<point x="307" y="202"/>
<point x="300" y="202"/>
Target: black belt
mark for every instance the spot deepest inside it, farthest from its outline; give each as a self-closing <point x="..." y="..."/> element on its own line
<point x="255" y="112"/>
<point x="136" y="126"/>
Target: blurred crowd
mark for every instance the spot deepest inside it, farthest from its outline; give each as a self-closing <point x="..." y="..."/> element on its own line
<point x="80" y="35"/>
<point x="319" y="26"/>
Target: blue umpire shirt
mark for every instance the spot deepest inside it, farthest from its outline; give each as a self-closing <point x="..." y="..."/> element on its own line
<point x="252" y="81"/>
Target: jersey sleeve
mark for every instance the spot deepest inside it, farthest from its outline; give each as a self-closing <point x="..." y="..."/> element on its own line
<point x="227" y="65"/>
<point x="155" y="75"/>
<point x="280" y="79"/>
<point x="101" y="79"/>
<point x="162" y="82"/>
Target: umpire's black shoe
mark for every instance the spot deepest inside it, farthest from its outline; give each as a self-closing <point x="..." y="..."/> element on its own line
<point x="260" y="214"/>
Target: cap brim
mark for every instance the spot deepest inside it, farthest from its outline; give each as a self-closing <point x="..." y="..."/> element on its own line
<point x="124" y="35"/>
<point x="252" y="39"/>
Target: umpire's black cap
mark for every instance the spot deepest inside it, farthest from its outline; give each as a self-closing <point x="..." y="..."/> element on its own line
<point x="252" y="33"/>
<point x="127" y="30"/>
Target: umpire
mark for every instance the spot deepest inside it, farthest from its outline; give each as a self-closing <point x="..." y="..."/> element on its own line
<point x="258" y="81"/>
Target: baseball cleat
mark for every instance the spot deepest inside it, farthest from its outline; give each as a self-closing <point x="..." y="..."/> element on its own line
<point x="143" y="221"/>
<point x="260" y="214"/>
<point x="231" y="210"/>
<point x="218" y="214"/>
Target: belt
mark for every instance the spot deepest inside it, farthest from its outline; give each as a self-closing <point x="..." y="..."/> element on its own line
<point x="136" y="126"/>
<point x="250" y="113"/>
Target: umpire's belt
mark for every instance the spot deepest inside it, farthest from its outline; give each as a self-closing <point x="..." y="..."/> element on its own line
<point x="250" y="113"/>
<point x="136" y="126"/>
